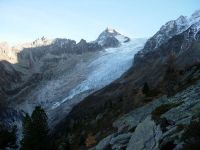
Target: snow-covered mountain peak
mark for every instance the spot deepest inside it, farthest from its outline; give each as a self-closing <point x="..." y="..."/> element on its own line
<point x="111" y="38"/>
<point x="181" y="20"/>
<point x="111" y="31"/>
<point x="181" y="23"/>
<point x="196" y="14"/>
<point x="173" y="28"/>
<point x="195" y="19"/>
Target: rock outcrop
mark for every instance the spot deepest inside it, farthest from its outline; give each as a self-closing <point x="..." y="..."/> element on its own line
<point x="155" y="130"/>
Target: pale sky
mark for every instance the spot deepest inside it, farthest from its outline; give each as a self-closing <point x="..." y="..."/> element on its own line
<point x="26" y="20"/>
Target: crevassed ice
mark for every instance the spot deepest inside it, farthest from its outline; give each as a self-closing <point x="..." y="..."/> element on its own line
<point x="109" y="66"/>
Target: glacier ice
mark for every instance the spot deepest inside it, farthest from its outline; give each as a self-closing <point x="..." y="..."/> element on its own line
<point x="109" y="66"/>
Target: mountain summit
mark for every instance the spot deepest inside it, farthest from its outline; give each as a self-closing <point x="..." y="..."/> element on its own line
<point x="172" y="28"/>
<point x="111" y="38"/>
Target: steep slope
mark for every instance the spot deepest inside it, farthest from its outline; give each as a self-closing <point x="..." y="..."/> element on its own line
<point x="180" y="39"/>
<point x="184" y="46"/>
<point x="171" y="29"/>
<point x="150" y="65"/>
<point x="157" y="125"/>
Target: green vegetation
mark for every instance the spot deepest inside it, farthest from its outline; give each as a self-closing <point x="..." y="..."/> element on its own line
<point x="35" y="131"/>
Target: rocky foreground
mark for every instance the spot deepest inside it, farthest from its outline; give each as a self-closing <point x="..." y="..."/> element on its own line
<point x="156" y="124"/>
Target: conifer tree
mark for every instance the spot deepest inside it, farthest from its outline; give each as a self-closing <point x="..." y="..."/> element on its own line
<point x="35" y="131"/>
<point x="26" y="141"/>
<point x="39" y="128"/>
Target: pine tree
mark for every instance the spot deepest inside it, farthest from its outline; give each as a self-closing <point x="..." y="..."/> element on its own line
<point x="35" y="131"/>
<point x="26" y="141"/>
<point x="39" y="128"/>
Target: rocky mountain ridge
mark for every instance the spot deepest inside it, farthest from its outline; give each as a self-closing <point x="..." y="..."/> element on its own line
<point x="27" y="58"/>
<point x="143" y="120"/>
<point x="60" y="73"/>
<point x="150" y="65"/>
<point x="108" y="38"/>
<point x="171" y="29"/>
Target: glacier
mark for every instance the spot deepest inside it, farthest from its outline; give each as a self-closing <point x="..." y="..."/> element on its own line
<point x="109" y="66"/>
<point x="76" y="80"/>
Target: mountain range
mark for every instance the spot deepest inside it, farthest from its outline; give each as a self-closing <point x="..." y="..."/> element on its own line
<point x="175" y="44"/>
<point x="59" y="73"/>
<point x="96" y="88"/>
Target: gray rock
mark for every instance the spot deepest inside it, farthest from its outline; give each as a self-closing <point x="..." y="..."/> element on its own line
<point x="147" y="133"/>
<point x="146" y="136"/>
<point x="120" y="141"/>
<point x="133" y="118"/>
<point x="114" y="141"/>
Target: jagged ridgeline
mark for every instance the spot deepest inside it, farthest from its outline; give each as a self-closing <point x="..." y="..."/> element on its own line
<point x="156" y="119"/>
<point x="58" y="73"/>
<point x="111" y="93"/>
